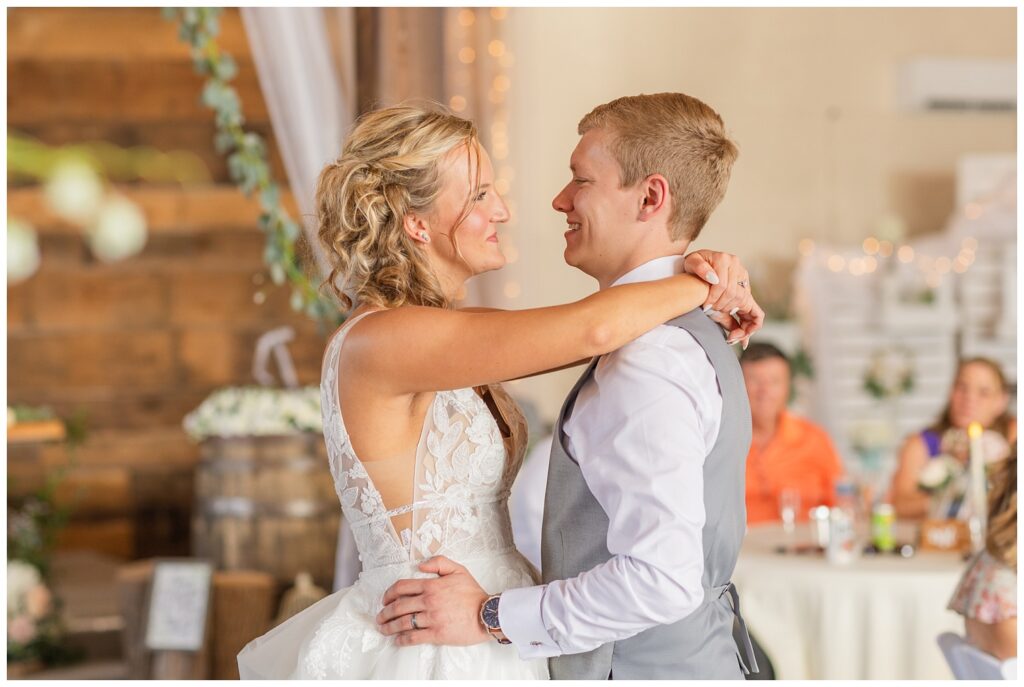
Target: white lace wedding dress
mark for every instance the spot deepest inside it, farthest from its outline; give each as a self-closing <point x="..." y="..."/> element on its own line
<point x="464" y="471"/>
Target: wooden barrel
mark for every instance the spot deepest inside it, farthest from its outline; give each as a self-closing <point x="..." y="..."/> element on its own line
<point x="267" y="503"/>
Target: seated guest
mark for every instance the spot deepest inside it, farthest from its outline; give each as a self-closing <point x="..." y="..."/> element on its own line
<point x="787" y="452"/>
<point x="987" y="593"/>
<point x="979" y="394"/>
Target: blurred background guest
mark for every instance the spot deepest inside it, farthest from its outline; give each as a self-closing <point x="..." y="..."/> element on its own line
<point x="980" y="394"/>
<point x="790" y="459"/>
<point x="987" y="593"/>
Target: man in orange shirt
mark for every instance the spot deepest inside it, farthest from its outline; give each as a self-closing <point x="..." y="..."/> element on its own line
<point x="787" y="452"/>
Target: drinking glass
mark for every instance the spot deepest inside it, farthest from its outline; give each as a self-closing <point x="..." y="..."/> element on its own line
<point x="789" y="506"/>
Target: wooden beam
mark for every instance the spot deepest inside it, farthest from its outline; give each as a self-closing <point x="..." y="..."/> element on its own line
<point x="128" y="34"/>
<point x="168" y="209"/>
<point x="52" y="91"/>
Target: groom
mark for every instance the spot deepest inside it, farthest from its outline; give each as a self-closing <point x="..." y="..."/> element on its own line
<point x="644" y="513"/>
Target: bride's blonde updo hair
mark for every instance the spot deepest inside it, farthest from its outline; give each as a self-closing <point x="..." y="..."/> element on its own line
<point x="390" y="166"/>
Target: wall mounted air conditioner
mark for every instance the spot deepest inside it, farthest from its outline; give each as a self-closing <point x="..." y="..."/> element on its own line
<point x="934" y="84"/>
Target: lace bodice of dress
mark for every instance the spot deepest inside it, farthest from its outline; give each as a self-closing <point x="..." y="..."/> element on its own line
<point x="464" y="471"/>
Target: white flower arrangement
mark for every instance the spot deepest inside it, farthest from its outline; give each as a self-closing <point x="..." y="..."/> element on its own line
<point x="74" y="191"/>
<point x="891" y="373"/>
<point x="28" y="602"/>
<point x="946" y="476"/>
<point x="118" y="229"/>
<point x="256" y="411"/>
<point x="938" y="472"/>
<point x="22" y="250"/>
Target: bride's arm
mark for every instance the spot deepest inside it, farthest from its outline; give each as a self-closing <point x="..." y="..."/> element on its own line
<point x="414" y="349"/>
<point x="576" y="363"/>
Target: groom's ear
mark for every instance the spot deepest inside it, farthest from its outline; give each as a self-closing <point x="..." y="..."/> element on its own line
<point x="655" y="197"/>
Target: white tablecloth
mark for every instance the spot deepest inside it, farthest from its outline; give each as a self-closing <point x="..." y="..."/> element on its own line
<point x="876" y="618"/>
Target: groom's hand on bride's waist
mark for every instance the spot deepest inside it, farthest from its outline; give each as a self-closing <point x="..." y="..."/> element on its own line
<point x="446" y="608"/>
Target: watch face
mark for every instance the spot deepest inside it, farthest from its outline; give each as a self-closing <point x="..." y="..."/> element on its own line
<point x="490" y="613"/>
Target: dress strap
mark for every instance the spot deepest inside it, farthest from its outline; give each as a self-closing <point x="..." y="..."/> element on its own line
<point x="344" y="329"/>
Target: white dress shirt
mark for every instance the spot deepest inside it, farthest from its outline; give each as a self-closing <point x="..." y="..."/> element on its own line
<point x="640" y="430"/>
<point x="526" y="502"/>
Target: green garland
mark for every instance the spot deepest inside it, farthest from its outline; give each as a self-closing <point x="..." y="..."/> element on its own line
<point x="247" y="160"/>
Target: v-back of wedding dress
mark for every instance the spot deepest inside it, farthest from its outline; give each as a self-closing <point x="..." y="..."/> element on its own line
<point x="464" y="470"/>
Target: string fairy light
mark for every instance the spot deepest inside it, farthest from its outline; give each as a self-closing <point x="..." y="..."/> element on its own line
<point x="483" y="78"/>
<point x="875" y="253"/>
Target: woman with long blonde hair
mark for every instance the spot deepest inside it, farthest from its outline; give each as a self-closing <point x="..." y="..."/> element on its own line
<point x="423" y="441"/>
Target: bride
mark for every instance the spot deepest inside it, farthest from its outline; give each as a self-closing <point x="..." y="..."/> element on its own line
<point x="423" y="442"/>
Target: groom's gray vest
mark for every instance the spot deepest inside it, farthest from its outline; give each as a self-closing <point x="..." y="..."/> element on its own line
<point x="701" y="645"/>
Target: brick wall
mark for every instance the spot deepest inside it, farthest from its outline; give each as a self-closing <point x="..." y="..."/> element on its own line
<point x="137" y="344"/>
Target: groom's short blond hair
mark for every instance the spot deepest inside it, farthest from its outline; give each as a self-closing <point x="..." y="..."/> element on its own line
<point x="674" y="135"/>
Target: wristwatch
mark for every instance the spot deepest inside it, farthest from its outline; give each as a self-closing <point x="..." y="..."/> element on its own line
<point x="489" y="617"/>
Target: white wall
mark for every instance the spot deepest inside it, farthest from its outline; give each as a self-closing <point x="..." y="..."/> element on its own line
<point x="772" y="74"/>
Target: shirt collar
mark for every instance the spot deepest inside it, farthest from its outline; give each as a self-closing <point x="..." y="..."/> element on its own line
<point x="658" y="268"/>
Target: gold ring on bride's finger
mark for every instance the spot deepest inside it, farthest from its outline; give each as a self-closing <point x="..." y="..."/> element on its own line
<point x="413" y="619"/>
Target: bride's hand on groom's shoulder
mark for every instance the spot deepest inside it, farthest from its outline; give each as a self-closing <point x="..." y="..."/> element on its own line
<point x="729" y="302"/>
<point x="446" y="608"/>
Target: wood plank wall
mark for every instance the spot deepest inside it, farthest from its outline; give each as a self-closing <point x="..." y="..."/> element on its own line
<point x="137" y="344"/>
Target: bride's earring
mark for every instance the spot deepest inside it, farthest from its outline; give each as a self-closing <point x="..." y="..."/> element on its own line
<point x="424" y="237"/>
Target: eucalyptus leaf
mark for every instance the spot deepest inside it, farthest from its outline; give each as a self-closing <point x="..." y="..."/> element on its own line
<point x="246" y="154"/>
<point x="270" y="196"/>
<point x="226" y="69"/>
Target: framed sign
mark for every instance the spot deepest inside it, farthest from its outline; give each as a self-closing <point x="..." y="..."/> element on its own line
<point x="178" y="605"/>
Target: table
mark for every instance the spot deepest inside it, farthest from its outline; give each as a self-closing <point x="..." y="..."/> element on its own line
<point x="876" y="618"/>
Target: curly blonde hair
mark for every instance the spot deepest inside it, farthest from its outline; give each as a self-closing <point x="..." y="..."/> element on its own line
<point x="389" y="167"/>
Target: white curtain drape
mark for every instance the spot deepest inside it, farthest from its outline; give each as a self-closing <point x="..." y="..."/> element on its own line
<point x="305" y="59"/>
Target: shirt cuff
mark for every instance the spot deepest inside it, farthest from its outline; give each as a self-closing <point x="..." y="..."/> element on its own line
<point x="519" y="614"/>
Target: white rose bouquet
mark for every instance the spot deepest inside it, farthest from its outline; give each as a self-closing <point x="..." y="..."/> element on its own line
<point x="938" y="473"/>
<point x="28" y="603"/>
<point x="256" y="411"/>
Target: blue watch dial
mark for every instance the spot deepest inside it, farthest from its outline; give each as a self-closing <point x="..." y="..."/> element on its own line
<point x="490" y="613"/>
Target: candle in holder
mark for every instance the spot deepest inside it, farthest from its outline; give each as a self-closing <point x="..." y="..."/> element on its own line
<point x="979" y="506"/>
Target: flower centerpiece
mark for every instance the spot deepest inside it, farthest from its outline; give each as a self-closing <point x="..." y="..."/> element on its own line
<point x="946" y="478"/>
<point x="30" y="617"/>
<point x="256" y="411"/>
<point x="35" y="633"/>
